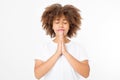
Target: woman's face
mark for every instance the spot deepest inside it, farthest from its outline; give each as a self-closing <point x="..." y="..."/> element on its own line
<point x="60" y="25"/>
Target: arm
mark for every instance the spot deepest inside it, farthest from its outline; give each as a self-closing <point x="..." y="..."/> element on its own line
<point x="82" y="67"/>
<point x="41" y="68"/>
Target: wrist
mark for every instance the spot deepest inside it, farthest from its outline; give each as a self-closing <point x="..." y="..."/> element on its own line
<point x="65" y="52"/>
<point x="58" y="53"/>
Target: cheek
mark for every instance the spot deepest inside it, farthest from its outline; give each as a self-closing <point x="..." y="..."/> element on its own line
<point x="54" y="28"/>
<point x="67" y="29"/>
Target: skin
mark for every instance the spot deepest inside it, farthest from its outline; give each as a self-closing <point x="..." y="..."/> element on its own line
<point x="61" y="27"/>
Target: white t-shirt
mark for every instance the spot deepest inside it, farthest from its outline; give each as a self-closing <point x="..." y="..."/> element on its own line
<point x="62" y="70"/>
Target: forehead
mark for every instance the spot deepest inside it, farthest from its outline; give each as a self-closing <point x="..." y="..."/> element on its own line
<point x="60" y="17"/>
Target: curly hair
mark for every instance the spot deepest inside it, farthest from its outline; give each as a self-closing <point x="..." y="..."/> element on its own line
<point x="70" y="12"/>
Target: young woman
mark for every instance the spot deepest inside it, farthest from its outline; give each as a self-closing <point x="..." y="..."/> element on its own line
<point x="61" y="58"/>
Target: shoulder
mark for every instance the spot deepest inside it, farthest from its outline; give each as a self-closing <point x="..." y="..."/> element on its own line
<point x="76" y="44"/>
<point x="79" y="51"/>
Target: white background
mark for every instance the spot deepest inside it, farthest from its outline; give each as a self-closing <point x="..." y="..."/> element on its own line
<point x="20" y="31"/>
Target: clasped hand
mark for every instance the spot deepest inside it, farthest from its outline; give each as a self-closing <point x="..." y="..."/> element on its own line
<point x="61" y="48"/>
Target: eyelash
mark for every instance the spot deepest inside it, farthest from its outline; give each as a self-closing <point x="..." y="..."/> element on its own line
<point x="56" y="22"/>
<point x="63" y="22"/>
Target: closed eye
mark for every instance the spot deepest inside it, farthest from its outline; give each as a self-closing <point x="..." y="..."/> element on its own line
<point x="65" y="22"/>
<point x="57" y="22"/>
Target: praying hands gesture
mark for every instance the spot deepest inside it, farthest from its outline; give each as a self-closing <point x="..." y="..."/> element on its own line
<point x="61" y="48"/>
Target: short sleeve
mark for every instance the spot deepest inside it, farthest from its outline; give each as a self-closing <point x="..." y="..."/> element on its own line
<point x="41" y="52"/>
<point x="81" y="53"/>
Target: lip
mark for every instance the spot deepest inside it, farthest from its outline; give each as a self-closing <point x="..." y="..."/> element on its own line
<point x="60" y="30"/>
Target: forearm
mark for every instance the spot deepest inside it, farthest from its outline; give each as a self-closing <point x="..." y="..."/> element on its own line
<point x="42" y="69"/>
<point x="80" y="67"/>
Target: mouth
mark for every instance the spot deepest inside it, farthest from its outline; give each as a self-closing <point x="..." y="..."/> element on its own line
<point x="60" y="30"/>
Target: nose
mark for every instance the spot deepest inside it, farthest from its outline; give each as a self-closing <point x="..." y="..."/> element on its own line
<point x="61" y="25"/>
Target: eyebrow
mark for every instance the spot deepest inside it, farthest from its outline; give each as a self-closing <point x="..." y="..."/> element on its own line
<point x="57" y="19"/>
<point x="64" y="19"/>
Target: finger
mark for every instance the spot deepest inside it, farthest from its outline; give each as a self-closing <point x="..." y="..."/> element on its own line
<point x="63" y="45"/>
<point x="60" y="44"/>
<point x="61" y="34"/>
